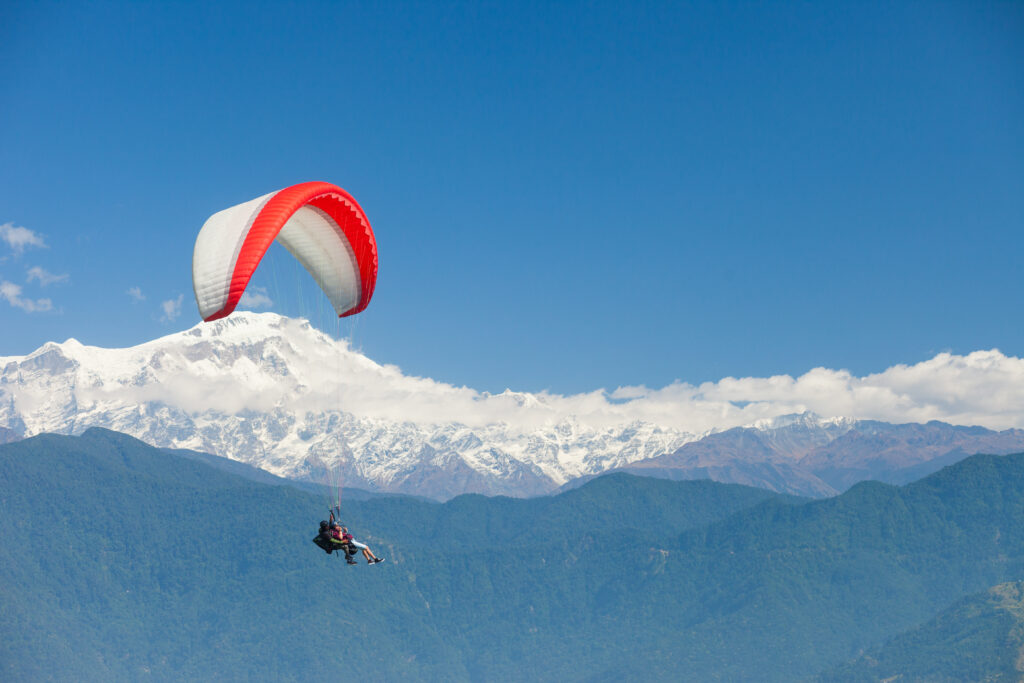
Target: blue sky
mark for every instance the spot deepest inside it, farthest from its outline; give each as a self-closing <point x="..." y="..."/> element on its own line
<point x="566" y="196"/>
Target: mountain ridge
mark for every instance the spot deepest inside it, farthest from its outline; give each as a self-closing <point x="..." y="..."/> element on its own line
<point x="807" y="463"/>
<point x="278" y="394"/>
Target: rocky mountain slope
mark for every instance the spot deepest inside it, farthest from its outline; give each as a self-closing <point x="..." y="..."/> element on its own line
<point x="807" y="455"/>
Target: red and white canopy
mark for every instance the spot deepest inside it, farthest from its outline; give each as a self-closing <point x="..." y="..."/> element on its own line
<point x="319" y="223"/>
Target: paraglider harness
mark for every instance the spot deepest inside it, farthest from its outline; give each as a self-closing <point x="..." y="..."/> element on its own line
<point x="329" y="544"/>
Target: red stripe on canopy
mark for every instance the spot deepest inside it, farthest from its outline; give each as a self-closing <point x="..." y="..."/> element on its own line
<point x="330" y="199"/>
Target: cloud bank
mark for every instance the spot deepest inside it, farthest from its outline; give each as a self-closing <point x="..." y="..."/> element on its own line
<point x="259" y="362"/>
<point x="983" y="388"/>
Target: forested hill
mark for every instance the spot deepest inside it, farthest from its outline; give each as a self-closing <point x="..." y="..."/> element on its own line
<point x="981" y="638"/>
<point x="119" y="561"/>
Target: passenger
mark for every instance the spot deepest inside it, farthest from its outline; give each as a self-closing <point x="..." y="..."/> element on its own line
<point x="367" y="553"/>
<point x="339" y="540"/>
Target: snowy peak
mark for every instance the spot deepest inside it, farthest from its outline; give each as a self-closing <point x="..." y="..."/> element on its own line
<point x="806" y="420"/>
<point x="793" y="436"/>
<point x="279" y="394"/>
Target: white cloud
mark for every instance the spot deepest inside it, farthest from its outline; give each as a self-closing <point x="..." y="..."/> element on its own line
<point x="136" y="294"/>
<point x="255" y="297"/>
<point x="45" y="278"/>
<point x="11" y="293"/>
<point x="19" y="239"/>
<point x="983" y="388"/>
<point x="310" y="372"/>
<point x="171" y="309"/>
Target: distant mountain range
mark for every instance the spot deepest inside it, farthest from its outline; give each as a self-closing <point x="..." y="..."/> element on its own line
<point x="812" y="457"/>
<point x="278" y="394"/>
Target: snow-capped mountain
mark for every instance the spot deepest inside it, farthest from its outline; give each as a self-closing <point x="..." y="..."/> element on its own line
<point x="279" y="394"/>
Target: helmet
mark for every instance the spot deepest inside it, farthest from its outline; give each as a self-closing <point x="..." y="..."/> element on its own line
<point x="323" y="524"/>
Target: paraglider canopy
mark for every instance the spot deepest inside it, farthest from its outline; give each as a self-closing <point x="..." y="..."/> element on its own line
<point x="319" y="223"/>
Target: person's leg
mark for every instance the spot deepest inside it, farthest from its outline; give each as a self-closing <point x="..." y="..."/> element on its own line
<point x="349" y="552"/>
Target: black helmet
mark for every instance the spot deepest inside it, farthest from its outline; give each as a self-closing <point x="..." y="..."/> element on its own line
<point x="323" y="524"/>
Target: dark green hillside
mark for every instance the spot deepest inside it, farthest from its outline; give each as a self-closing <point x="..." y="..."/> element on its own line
<point x="120" y="562"/>
<point x="981" y="638"/>
<point x="615" y="506"/>
<point x="774" y="592"/>
<point x="788" y="589"/>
